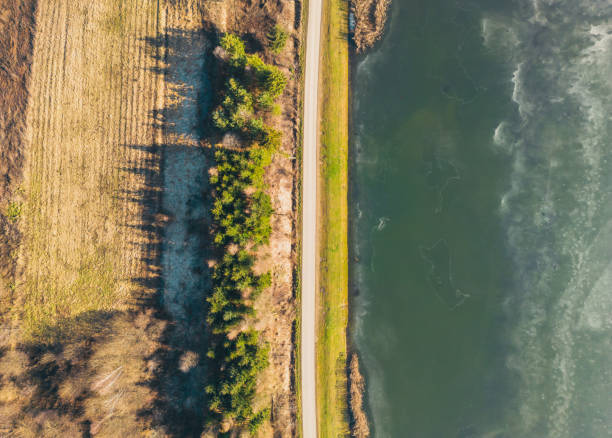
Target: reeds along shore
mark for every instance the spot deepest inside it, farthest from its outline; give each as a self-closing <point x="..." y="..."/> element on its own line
<point x="359" y="427"/>
<point x="370" y="18"/>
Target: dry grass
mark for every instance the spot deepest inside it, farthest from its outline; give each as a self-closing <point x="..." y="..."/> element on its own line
<point x="85" y="386"/>
<point x="83" y="256"/>
<point x="17" y="26"/>
<point x="87" y="355"/>
<point x="370" y="19"/>
<point x="16" y="21"/>
<point x="82" y="340"/>
<point x="93" y="92"/>
<point x="360" y="427"/>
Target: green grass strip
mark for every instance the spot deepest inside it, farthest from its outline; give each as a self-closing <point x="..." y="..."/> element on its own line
<point x="333" y="302"/>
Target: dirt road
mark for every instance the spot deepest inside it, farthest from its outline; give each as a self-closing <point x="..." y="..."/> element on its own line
<point x="309" y="221"/>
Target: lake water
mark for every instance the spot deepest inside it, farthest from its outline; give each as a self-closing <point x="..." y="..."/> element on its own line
<point x="482" y="220"/>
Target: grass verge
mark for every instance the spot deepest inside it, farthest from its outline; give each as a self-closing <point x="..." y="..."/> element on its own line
<point x="333" y="299"/>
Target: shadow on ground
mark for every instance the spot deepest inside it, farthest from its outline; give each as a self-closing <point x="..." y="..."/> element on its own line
<point x="92" y="374"/>
<point x="176" y="218"/>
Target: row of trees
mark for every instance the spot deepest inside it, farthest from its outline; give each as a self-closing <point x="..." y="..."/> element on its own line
<point x="253" y="86"/>
<point x="241" y="215"/>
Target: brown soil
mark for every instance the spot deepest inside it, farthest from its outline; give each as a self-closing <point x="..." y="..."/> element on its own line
<point x="370" y="18"/>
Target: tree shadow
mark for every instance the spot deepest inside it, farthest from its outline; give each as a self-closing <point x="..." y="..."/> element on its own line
<point x="175" y="218"/>
<point x="54" y="358"/>
<point x="61" y="377"/>
<point x="182" y="55"/>
<point x="175" y="221"/>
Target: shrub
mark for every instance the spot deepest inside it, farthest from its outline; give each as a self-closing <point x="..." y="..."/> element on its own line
<point x="275" y="82"/>
<point x="277" y="39"/>
<point x="234" y="46"/>
<point x="246" y="92"/>
<point x="14" y="210"/>
<point x="232" y="390"/>
<point x="241" y="213"/>
<point x="256" y="130"/>
<point x="265" y="101"/>
<point x="258" y="419"/>
<point x="236" y="109"/>
<point x="269" y="78"/>
<point x="242" y="218"/>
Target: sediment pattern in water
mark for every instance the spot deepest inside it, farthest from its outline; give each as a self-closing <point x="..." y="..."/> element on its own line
<point x="558" y="213"/>
<point x="483" y="220"/>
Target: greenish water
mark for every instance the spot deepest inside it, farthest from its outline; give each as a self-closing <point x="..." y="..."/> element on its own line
<point x="482" y="220"/>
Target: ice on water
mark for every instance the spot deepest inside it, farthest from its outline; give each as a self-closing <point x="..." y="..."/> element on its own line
<point x="557" y="214"/>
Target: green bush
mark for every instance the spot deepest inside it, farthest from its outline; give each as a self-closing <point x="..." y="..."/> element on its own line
<point x="277" y="38"/>
<point x="232" y="390"/>
<point x="275" y="82"/>
<point x="13" y="211"/>
<point x="268" y="77"/>
<point x="259" y="419"/>
<point x="256" y="130"/>
<point x="234" y="46"/>
<point x="236" y="110"/>
<point x="244" y="93"/>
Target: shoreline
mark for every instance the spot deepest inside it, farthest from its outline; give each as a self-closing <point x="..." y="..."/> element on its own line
<point x="337" y="381"/>
<point x="356" y="375"/>
<point x="354" y="288"/>
<point x="353" y="255"/>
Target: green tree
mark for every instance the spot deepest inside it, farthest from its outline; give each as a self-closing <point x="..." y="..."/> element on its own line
<point x="277" y="38"/>
<point x="241" y="213"/>
<point x="236" y="109"/>
<point x="234" y="46"/>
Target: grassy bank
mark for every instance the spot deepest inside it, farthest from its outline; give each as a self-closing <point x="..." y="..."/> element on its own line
<point x="333" y="300"/>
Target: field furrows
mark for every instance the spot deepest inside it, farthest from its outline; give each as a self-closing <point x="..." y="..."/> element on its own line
<point x="92" y="159"/>
<point x="116" y="92"/>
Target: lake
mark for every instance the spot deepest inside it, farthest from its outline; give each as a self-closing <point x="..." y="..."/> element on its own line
<point x="481" y="233"/>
